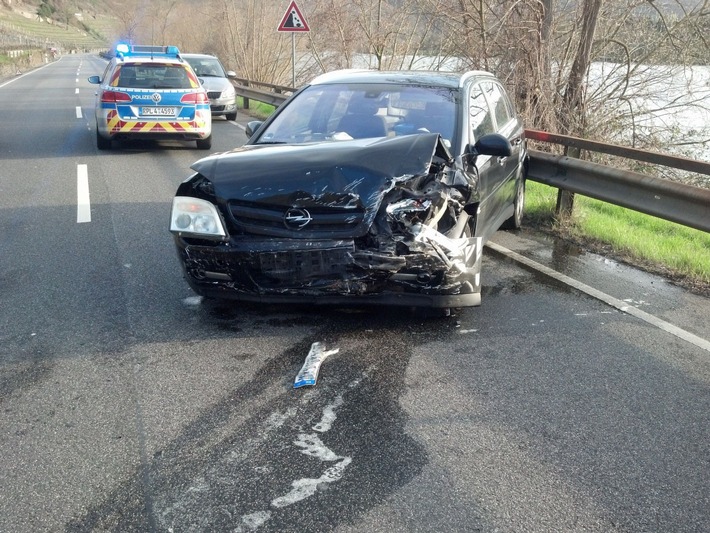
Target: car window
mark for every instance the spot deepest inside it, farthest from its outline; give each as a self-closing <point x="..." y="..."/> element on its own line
<point x="153" y="76"/>
<point x="207" y="66"/>
<point x="107" y="70"/>
<point x="353" y="111"/>
<point x="499" y="102"/>
<point x="480" y="115"/>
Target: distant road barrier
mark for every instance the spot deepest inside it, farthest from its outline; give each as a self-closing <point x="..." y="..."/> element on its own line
<point x="274" y="96"/>
<point x="677" y="202"/>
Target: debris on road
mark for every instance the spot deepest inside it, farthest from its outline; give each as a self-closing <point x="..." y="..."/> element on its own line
<point x="308" y="374"/>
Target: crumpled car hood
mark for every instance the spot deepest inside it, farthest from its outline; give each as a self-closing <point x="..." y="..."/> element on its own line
<point x="347" y="174"/>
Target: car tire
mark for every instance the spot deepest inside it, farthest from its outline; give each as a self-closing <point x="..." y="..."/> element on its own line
<point x="231" y="116"/>
<point x="204" y="144"/>
<point x="516" y="221"/>
<point x="102" y="143"/>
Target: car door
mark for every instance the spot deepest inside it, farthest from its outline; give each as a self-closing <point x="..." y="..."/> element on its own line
<point x="508" y="125"/>
<point x="99" y="113"/>
<point x="490" y="172"/>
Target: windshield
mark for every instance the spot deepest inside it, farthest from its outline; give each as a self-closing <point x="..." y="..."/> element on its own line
<point x="354" y="111"/>
<point x="207" y="66"/>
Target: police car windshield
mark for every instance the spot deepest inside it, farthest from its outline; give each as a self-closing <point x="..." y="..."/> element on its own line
<point x="153" y="76"/>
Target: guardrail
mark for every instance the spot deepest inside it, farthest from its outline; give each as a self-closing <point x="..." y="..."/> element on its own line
<point x="684" y="204"/>
<point x="670" y="200"/>
<point x="275" y="97"/>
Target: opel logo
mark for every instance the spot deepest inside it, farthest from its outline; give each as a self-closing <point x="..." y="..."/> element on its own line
<point x="297" y="218"/>
<point x="155" y="97"/>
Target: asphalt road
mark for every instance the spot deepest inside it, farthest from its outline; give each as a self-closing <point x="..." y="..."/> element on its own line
<point x="127" y="404"/>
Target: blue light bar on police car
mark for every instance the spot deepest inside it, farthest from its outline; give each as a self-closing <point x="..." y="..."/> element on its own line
<point x="124" y="50"/>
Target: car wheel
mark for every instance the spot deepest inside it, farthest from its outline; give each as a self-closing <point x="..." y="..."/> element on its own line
<point x="102" y="143"/>
<point x="204" y="144"/>
<point x="231" y="116"/>
<point x="516" y="221"/>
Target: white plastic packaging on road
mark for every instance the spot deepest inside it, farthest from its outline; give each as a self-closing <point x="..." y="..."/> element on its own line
<point x="308" y="375"/>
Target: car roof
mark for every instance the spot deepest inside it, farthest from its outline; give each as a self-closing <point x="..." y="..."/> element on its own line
<point x="198" y="56"/>
<point x="413" y="77"/>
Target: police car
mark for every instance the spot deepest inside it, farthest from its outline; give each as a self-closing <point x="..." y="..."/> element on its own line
<point x="150" y="92"/>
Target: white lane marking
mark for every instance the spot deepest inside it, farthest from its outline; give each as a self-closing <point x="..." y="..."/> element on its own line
<point x="77" y="80"/>
<point x="83" y="203"/>
<point x="76" y="91"/>
<point x="78" y="112"/>
<point x="609" y="300"/>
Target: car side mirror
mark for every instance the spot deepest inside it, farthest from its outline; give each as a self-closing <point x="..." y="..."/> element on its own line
<point x="491" y="144"/>
<point x="231" y="74"/>
<point x="96" y="80"/>
<point x="252" y="126"/>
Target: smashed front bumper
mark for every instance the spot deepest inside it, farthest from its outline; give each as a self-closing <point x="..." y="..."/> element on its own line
<point x="444" y="273"/>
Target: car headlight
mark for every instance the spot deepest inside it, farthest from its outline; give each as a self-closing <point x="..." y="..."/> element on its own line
<point x="229" y="92"/>
<point x="199" y="218"/>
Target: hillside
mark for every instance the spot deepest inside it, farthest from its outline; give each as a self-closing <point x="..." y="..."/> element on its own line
<point x="86" y="25"/>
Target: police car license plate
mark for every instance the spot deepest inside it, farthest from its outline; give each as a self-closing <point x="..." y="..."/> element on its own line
<point x="158" y="111"/>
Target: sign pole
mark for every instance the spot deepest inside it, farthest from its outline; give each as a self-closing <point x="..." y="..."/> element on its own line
<point x="293" y="59"/>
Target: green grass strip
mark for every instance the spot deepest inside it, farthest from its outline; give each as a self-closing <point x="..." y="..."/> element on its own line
<point x="259" y="110"/>
<point x="666" y="245"/>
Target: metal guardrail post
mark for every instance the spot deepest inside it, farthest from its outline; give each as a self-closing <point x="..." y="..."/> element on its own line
<point x="565" y="198"/>
<point x="245" y="99"/>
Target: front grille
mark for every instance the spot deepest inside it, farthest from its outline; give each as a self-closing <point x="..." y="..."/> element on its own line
<point x="325" y="221"/>
<point x="213" y="95"/>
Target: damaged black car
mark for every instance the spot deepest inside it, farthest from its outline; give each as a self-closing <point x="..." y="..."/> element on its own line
<point x="365" y="187"/>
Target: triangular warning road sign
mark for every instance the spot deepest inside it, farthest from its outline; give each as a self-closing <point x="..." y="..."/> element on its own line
<point x="293" y="19"/>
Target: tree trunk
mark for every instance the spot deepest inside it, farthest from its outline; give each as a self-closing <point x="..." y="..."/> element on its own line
<point x="573" y="109"/>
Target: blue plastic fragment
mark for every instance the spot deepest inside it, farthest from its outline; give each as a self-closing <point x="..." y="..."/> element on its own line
<point x="308" y="375"/>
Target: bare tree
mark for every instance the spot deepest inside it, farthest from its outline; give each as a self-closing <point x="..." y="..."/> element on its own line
<point x="248" y="36"/>
<point x="585" y="67"/>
